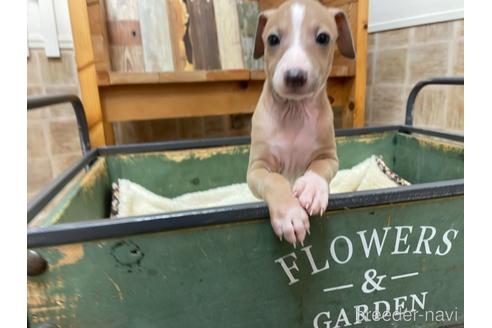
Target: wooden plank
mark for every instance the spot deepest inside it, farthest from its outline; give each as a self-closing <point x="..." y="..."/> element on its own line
<point x="104" y="130"/>
<point x="90" y="96"/>
<point x="180" y="38"/>
<point x="133" y="78"/>
<point x="361" y="64"/>
<point x="99" y="132"/>
<point x="194" y="76"/>
<point x="118" y="78"/>
<point x="100" y="43"/>
<point x="203" y="33"/>
<point x="127" y="59"/>
<point x="101" y="50"/>
<point x="248" y="12"/>
<point x="81" y="33"/>
<point x="175" y="100"/>
<point x="102" y="78"/>
<point x="122" y="10"/>
<point x="227" y="24"/>
<point x="156" y="39"/>
<point x="348" y="106"/>
<point x="228" y="75"/>
<point x="124" y="35"/>
<point x="342" y="70"/>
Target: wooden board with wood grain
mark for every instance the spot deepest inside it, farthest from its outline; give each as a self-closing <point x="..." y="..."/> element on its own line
<point x="359" y="89"/>
<point x="124" y="34"/>
<point x="228" y="33"/>
<point x="203" y="35"/>
<point x="180" y="35"/>
<point x="167" y="100"/>
<point x="156" y="38"/>
<point x="99" y="38"/>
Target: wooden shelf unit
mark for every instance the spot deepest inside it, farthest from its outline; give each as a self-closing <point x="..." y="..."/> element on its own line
<point x="110" y="96"/>
<point x="119" y="78"/>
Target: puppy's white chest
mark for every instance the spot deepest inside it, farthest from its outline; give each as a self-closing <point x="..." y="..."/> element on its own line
<point x="293" y="147"/>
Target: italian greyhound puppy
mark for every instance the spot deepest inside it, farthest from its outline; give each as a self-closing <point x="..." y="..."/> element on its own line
<point x="293" y="153"/>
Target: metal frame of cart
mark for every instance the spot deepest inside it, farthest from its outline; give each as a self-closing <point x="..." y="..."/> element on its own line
<point x="102" y="228"/>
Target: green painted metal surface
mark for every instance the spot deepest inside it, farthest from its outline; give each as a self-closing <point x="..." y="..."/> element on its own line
<point x="241" y="275"/>
<point x="174" y="173"/>
<point x="422" y="160"/>
<point x="88" y="199"/>
<point x="231" y="276"/>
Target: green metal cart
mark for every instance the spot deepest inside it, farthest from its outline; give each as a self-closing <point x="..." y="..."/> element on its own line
<point x="380" y="258"/>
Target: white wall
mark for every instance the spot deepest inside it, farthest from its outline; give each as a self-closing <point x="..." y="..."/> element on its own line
<point x="48" y="25"/>
<point x="393" y="14"/>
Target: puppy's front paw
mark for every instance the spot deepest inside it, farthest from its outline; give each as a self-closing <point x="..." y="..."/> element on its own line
<point x="290" y="221"/>
<point x="312" y="192"/>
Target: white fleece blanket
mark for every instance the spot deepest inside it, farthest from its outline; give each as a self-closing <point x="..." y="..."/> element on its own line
<point x="131" y="199"/>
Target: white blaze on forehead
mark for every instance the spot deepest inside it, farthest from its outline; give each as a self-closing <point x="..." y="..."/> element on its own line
<point x="295" y="56"/>
<point x="297" y="14"/>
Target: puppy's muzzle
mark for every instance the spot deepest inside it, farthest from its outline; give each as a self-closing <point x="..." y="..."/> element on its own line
<point x="295" y="78"/>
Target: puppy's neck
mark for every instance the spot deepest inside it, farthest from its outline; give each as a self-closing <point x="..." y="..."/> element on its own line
<point x="292" y="111"/>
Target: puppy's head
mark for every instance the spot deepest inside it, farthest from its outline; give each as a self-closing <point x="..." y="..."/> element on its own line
<point x="298" y="41"/>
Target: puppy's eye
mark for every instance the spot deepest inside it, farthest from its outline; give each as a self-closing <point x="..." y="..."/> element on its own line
<point x="323" y="38"/>
<point x="273" y="40"/>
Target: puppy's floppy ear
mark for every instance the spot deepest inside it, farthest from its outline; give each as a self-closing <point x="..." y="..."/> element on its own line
<point x="262" y="20"/>
<point x="344" y="41"/>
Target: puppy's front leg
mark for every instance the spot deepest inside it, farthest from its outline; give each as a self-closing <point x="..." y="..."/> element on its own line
<point x="289" y="220"/>
<point x="312" y="188"/>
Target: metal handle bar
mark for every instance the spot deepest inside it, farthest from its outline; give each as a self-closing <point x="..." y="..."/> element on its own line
<point x="459" y="80"/>
<point x="36" y="102"/>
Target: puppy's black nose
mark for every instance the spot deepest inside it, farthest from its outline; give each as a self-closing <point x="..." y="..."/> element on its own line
<point x="295" y="78"/>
